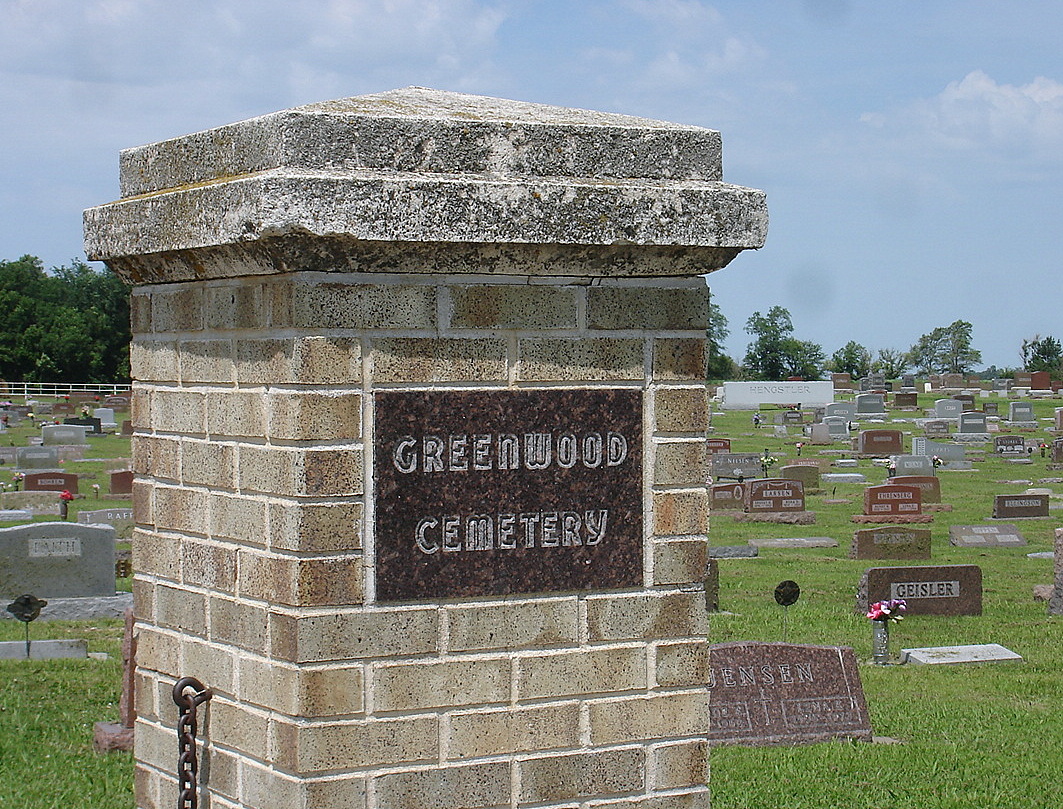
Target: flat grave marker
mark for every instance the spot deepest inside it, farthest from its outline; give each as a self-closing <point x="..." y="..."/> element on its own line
<point x="986" y="536"/>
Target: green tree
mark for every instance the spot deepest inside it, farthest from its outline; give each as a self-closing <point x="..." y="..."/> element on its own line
<point x="774" y="353"/>
<point x="720" y="366"/>
<point x="890" y="362"/>
<point x="1042" y="354"/>
<point x="851" y="358"/>
<point x="945" y="350"/>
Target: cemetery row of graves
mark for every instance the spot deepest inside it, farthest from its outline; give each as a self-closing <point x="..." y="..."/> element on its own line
<point x="946" y="498"/>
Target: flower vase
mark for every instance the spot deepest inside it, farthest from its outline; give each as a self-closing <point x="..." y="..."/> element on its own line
<point x="880" y="643"/>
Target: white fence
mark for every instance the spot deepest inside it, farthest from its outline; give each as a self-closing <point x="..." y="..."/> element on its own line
<point x="53" y="390"/>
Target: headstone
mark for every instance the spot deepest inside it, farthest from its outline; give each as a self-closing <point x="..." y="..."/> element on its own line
<point x="952" y="456"/>
<point x="15" y="515"/>
<point x="936" y="428"/>
<point x="876" y="381"/>
<point x="966" y="401"/>
<point x="728" y="496"/>
<point x="735" y="465"/>
<point x="842" y="381"/>
<point x="906" y="400"/>
<point x="1021" y="413"/>
<point x="793" y="542"/>
<point x="912" y="465"/>
<point x="991" y="408"/>
<point x="712" y="584"/>
<point x="947" y="409"/>
<point x="891" y="542"/>
<point x="714" y="445"/>
<point x="733" y="552"/>
<point x="870" y="404"/>
<point x="121" y="482"/>
<point x="1040" y="380"/>
<point x="1058" y="423"/>
<point x="94" y="425"/>
<point x="37" y="503"/>
<point x="41" y="458"/>
<point x="226" y="235"/>
<point x="773" y="495"/>
<point x="8" y="455"/>
<point x="837" y="427"/>
<point x="880" y="442"/>
<point x="953" y="381"/>
<point x="944" y="655"/>
<point x="845" y="410"/>
<point x="780" y="693"/>
<point x="1055" y="600"/>
<point x="819" y="434"/>
<point x="63" y="434"/>
<point x="116" y="402"/>
<point x="1009" y="445"/>
<point x="842" y="477"/>
<point x="62" y="409"/>
<point x="51" y="482"/>
<point x="1057" y="451"/>
<point x="972" y="422"/>
<point x="929" y="486"/>
<point x="908" y="381"/>
<point x="56" y="560"/>
<point x="985" y="536"/>
<point x="932" y="590"/>
<point x="808" y="475"/>
<point x="117" y="518"/>
<point x="793" y="417"/>
<point x="127" y="428"/>
<point x="891" y="500"/>
<point x="1010" y="506"/>
<point x="106" y="418"/>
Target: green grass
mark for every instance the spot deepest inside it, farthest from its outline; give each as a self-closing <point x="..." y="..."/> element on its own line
<point x="973" y="735"/>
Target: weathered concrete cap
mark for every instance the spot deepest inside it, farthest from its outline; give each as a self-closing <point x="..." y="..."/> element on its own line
<point x="425" y="166"/>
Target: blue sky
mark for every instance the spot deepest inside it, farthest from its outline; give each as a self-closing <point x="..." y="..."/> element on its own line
<point x="912" y="152"/>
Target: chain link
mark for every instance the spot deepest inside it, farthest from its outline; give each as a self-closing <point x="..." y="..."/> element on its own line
<point x="188" y="694"/>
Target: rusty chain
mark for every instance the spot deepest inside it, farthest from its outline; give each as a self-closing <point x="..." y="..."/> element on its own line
<point x="188" y="694"/>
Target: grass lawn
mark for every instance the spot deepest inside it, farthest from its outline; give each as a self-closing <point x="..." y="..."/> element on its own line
<point x="987" y="735"/>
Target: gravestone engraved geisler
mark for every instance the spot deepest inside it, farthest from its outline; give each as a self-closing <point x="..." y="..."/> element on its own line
<point x="503" y="492"/>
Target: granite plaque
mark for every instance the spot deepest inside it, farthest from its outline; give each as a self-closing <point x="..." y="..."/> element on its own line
<point x="121" y="482"/>
<point x="117" y="518"/>
<point x="57" y="560"/>
<point x="93" y="425"/>
<point x="986" y="536"/>
<point x="37" y="458"/>
<point x="912" y="465"/>
<point x="736" y="465"/>
<point x="781" y="693"/>
<point x="892" y="500"/>
<point x="806" y="473"/>
<point x="972" y="421"/>
<point x="906" y="400"/>
<point x="1008" y="506"/>
<point x="935" y="428"/>
<point x="1009" y="445"/>
<point x="727" y="496"/>
<point x="991" y="408"/>
<point x="891" y="542"/>
<point x="505" y="492"/>
<point x="51" y="482"/>
<point x="775" y="495"/>
<point x="881" y="442"/>
<point x="932" y="590"/>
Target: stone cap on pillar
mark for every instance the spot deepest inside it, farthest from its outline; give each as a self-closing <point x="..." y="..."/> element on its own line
<point x="365" y="183"/>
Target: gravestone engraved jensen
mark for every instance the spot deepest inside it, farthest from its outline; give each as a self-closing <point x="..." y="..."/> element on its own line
<point x="503" y="492"/>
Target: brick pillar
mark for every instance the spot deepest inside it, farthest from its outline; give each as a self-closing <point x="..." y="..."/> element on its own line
<point x="320" y="295"/>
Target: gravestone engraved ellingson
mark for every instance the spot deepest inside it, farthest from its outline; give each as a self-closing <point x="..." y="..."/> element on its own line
<point x="424" y="396"/>
<point x="932" y="590"/>
<point x="781" y="693"/>
<point x="1008" y="506"/>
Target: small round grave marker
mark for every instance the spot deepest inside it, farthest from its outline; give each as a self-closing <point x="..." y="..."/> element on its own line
<point x="787" y="593"/>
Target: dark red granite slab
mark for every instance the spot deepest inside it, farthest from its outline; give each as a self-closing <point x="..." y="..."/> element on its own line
<point x="774" y="495"/>
<point x="714" y="445"/>
<point x="503" y="492"/>
<point x="781" y="693"/>
<point x="1010" y="506"/>
<point x="931" y="590"/>
<point x="891" y="542"/>
<point x="888" y="499"/>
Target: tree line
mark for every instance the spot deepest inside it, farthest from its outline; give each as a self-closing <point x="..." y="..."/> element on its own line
<point x="774" y="353"/>
<point x="67" y="324"/>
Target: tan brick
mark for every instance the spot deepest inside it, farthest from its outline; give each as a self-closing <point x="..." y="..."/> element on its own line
<point x="469" y="786"/>
<point x="213" y="665"/>
<point x="157" y="650"/>
<point x="308" y="748"/>
<point x="263" y="362"/>
<point x="561" y="359"/>
<point x="436" y="684"/>
<point x="181" y="509"/>
<point x="327" y="361"/>
<point x="235" y="306"/>
<point x="208" y="463"/>
<point x="143" y="502"/>
<point x="158" y="457"/>
<point x="236" y="413"/>
<point x="649" y="717"/>
<point x="680" y="358"/>
<point x="143" y="599"/>
<point x="362" y="634"/>
<point x="302" y="691"/>
<point x="144" y="686"/>
<point x="682" y="410"/>
<point x="140" y="407"/>
<point x="359" y="306"/>
<point x="678" y="463"/>
<point x="315" y="527"/>
<point x="239" y="623"/>
<point x="270" y="789"/>
<point x="694" y="799"/>
<point x="571" y="673"/>
<point x="311" y="416"/>
<point x="178" y="411"/>
<point x="432" y="359"/>
<point x="181" y="609"/>
<point x="298" y="581"/>
<point x="680" y="513"/>
<point x="155" y="745"/>
<point x="224" y="774"/>
<point x="512" y="306"/>
<point x="238" y="726"/>
<point x="156" y="555"/>
<point x="206" y="361"/>
<point x="291" y="471"/>
<point x="513" y="625"/>
<point x="682" y="665"/>
<point x="239" y="518"/>
<point x="645" y="616"/>
<point x="661" y="309"/>
<point x="177" y="308"/>
<point x="208" y="564"/>
<point x="575" y="776"/>
<point x="679" y="561"/>
<point x="681" y="765"/>
<point x="153" y="360"/>
<point x="140" y="312"/>
<point x="513" y="730"/>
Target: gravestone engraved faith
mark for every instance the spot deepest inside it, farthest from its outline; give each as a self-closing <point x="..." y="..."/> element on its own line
<point x="56" y="560"/>
<point x="932" y="590"/>
<point x="36" y="458"/>
<point x="891" y="542"/>
<point x="781" y="693"/>
<point x="986" y="536"/>
<point x="1010" y="506"/>
<point x="62" y="434"/>
<point x="329" y="317"/>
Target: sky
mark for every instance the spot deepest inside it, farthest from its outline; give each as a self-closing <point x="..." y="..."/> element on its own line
<point x="911" y="151"/>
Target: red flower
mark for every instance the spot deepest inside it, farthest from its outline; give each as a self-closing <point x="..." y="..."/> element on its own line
<point x="66" y="495"/>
